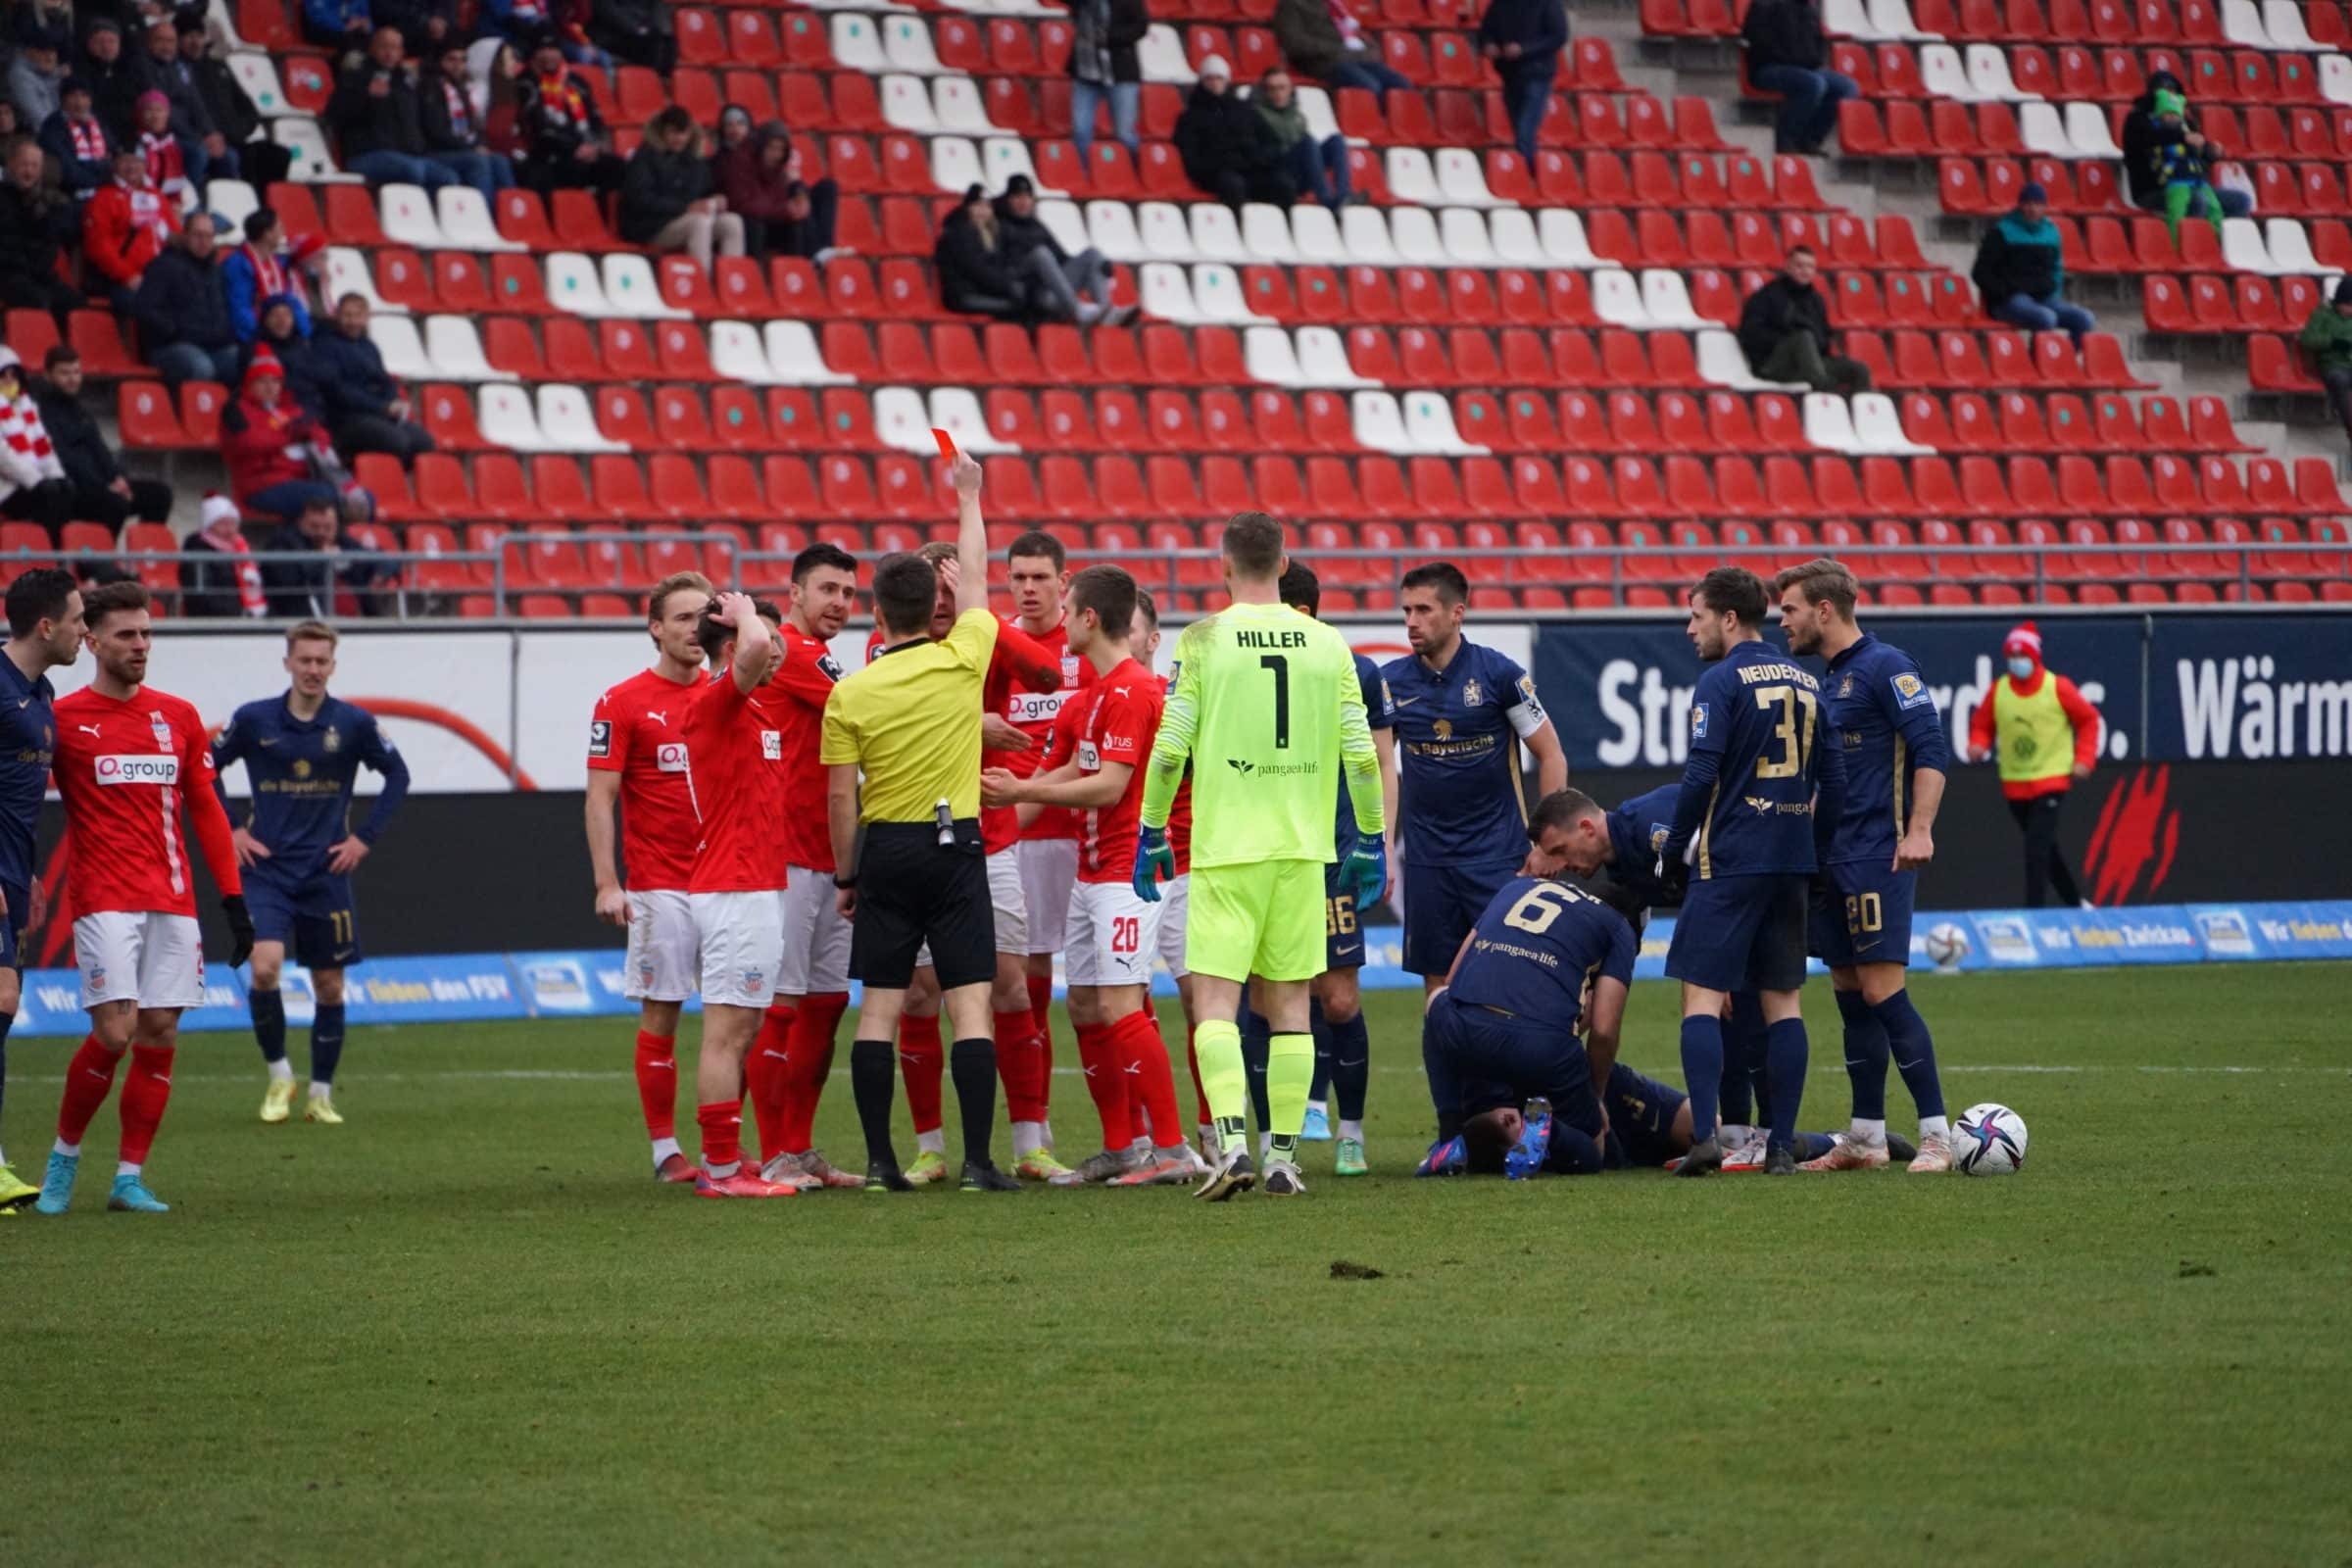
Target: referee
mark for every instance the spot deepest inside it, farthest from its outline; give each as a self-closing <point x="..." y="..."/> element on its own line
<point x="912" y="867"/>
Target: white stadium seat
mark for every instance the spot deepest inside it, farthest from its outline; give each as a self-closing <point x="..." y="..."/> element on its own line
<point x="508" y="420"/>
<point x="568" y="420"/>
<point x="455" y="349"/>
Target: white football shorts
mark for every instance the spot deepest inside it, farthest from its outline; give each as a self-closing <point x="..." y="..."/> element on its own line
<point x="1114" y="936"/>
<point x="665" y="955"/>
<point x="816" y="939"/>
<point x="132" y="955"/>
<point x="742" y="947"/>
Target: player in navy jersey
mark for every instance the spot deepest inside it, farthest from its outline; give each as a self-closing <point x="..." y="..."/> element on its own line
<point x="1749" y="823"/>
<point x="1882" y="722"/>
<point x="1542" y="956"/>
<point x="44" y="633"/>
<point x="303" y="751"/>
<point x="1461" y="712"/>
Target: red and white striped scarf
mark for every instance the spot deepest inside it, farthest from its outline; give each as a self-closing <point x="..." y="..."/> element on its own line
<point x="147" y="212"/>
<point x="269" y="273"/>
<point x="1352" y="32"/>
<point x="460" y="113"/>
<point x="88" y="137"/>
<point x="165" y="170"/>
<point x="249" y="576"/>
<point x="23" y="433"/>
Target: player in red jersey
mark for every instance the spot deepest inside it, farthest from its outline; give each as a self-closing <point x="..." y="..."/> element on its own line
<point x="1175" y="893"/>
<point x="786" y="1072"/>
<point x="1036" y="571"/>
<point x="126" y="757"/>
<point x="637" y="757"/>
<point x="735" y="777"/>
<point x="1019" y="666"/>
<point x="1095" y="771"/>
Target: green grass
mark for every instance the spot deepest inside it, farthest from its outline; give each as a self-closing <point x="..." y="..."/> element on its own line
<point x="467" y="1328"/>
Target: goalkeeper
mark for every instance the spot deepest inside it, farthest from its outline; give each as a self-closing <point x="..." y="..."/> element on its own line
<point x="1267" y="709"/>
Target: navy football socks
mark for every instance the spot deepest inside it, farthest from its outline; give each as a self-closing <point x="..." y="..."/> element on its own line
<point x="1865" y="1055"/>
<point x="269" y="1009"/>
<point x="326" y="1039"/>
<point x="1785" y="1047"/>
<point x="1914" y="1050"/>
<point x="1702" y="1072"/>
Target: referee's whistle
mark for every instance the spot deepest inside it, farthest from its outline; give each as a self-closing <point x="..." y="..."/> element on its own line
<point x="945" y="817"/>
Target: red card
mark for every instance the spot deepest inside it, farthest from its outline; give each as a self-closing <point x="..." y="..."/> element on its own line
<point x="947" y="443"/>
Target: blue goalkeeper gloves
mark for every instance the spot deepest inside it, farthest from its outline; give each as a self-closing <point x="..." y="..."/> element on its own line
<point x="1153" y="859"/>
<point x="1365" y="872"/>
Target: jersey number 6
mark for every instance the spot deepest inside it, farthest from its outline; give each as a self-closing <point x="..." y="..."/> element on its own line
<point x="1540" y="906"/>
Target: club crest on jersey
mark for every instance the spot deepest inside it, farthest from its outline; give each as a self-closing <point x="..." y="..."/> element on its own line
<point x="1069" y="670"/>
<point x="1845" y="686"/>
<point x="671" y="759"/>
<point x="162" y="728"/>
<point x="1910" y="690"/>
<point x="1470" y="694"/>
<point x="96" y="977"/>
<point x="334" y="740"/>
<point x="600" y="737"/>
<point x="1659" y="832"/>
<point x="1699" y="721"/>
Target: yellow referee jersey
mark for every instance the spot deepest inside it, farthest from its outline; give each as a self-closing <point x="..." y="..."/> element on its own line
<point x="910" y="720"/>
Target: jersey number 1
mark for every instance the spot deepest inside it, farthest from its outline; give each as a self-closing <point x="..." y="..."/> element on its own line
<point x="1280" y="667"/>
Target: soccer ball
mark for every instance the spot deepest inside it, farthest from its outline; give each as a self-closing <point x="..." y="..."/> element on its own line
<point x="1990" y="1139"/>
<point x="1947" y="945"/>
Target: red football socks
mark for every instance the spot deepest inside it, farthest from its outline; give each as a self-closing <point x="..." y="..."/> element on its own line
<point x="1192" y="1057"/>
<point x="1144" y="1062"/>
<point x="145" y="1093"/>
<point x="723" y="1133"/>
<point x="1040" y="1005"/>
<point x="1020" y="1063"/>
<point x="657" y="1083"/>
<point x="764" y="1075"/>
<point x="88" y="1080"/>
<point x="807" y="1065"/>
<point x="920" y="1063"/>
<point x="1098" y="1053"/>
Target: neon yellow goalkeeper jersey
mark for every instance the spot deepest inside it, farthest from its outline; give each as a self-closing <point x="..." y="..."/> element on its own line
<point x="1267" y="709"/>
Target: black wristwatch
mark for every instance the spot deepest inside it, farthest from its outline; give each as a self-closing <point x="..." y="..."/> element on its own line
<point x="849" y="882"/>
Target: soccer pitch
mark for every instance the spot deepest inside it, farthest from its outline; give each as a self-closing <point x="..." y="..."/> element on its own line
<point x="468" y="1328"/>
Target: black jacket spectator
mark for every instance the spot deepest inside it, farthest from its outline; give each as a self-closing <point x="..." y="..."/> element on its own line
<point x="81" y="176"/>
<point x="552" y="135"/>
<point x="1123" y="29"/>
<point x="2141" y="137"/>
<point x="350" y="376"/>
<point x="309" y="588"/>
<point x="233" y="108"/>
<point x="366" y="123"/>
<point x="1018" y="236"/>
<point x="659" y="187"/>
<point x="416" y="20"/>
<point x="1785" y="32"/>
<point x="1229" y="150"/>
<point x="441" y="133"/>
<point x="1778" y="308"/>
<point x="209" y="587"/>
<point x="1540" y="27"/>
<point x="181" y="300"/>
<point x="975" y="274"/>
<point x="36" y="225"/>
<point x="176" y="80"/>
<point x="114" y="86"/>
<point x="638" y="31"/>
<point x="92" y="466"/>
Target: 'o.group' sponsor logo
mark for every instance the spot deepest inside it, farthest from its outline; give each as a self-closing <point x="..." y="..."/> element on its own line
<point x="137" y="769"/>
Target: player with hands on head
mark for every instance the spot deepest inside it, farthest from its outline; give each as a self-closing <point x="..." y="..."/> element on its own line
<point x="127" y="758"/>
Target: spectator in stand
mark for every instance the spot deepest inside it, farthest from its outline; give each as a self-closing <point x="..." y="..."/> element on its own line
<point x="567" y="145"/>
<point x="1322" y="39"/>
<point x="272" y="447"/>
<point x="206" y="153"/>
<point x="1522" y="40"/>
<point x="1055" y="285"/>
<point x="331" y="576"/>
<point x="453" y="131"/>
<point x="378" y="122"/>
<point x="426" y="25"/>
<point x="2141" y="136"/>
<point x="734" y="134"/>
<point x="296" y="354"/>
<point x="1228" y="148"/>
<point x="78" y="140"/>
<point x="665" y="197"/>
<point x="167" y="166"/>
<point x="34" y="487"/>
<point x="1785" y="332"/>
<point x="782" y="216"/>
<point x="339" y="27"/>
<point x="54" y="21"/>
<point x="366" y="408"/>
<point x="126" y="227"/>
<point x="233" y="108"/>
<point x="9" y="129"/>
<point x="2021" y="270"/>
<point x="1320" y="167"/>
<point x="1103" y="69"/>
<point x="113" y="91"/>
<point x="182" y="306"/>
<point x="493" y="86"/>
<point x="1788" y="55"/>
<point x="102" y="491"/>
<point x="231" y="586"/>
<point x="269" y="266"/>
<point x="2327" y="338"/>
<point x="638" y="31"/>
<point x="35" y="77"/>
<point x="974" y="274"/>
<point x="37" y="221"/>
<point x="531" y="24"/>
<point x="2181" y="163"/>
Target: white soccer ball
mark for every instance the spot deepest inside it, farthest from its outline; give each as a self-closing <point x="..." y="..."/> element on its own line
<point x="1990" y="1140"/>
<point x="1947" y="945"/>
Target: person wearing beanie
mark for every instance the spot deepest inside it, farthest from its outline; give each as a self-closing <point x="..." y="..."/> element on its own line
<point x="975" y="276"/>
<point x="2327" y="338"/>
<point x="1056" y="286"/>
<point x="2046" y="735"/>
<point x="1229" y="150"/>
<point x="2021" y="270"/>
<point x="158" y="68"/>
<point x="1105" y="69"/>
<point x="34" y="487"/>
<point x="231" y="586"/>
<point x="272" y="447"/>
<point x="102" y="491"/>
<point x="78" y="140"/>
<point x="2180" y="163"/>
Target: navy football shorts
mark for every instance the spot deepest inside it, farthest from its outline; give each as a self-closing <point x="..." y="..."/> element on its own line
<point x="1441" y="903"/>
<point x="1741" y="933"/>
<point x="1861" y="913"/>
<point x="310" y="910"/>
<point x="1479" y="1059"/>
<point x="1642" y="1112"/>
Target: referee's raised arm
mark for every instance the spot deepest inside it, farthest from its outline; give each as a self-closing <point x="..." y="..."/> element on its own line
<point x="971" y="535"/>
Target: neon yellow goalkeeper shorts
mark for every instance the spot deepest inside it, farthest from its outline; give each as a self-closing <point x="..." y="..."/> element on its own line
<point x="1265" y="919"/>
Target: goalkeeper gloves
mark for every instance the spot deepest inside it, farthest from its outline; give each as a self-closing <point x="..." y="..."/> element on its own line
<point x="1365" y="872"/>
<point x="240" y="929"/>
<point x="1153" y="859"/>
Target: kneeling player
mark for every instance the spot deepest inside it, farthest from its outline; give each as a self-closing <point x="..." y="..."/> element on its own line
<point x="126" y="757"/>
<point x="303" y="753"/>
<point x="1101" y="739"/>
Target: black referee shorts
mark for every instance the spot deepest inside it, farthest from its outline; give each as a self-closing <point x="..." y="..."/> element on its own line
<point x="911" y="889"/>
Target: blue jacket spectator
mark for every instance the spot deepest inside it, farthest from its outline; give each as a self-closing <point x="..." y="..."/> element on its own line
<point x="297" y="357"/>
<point x="360" y="403"/>
<point x="1522" y="40"/>
<point x="183" y="310"/>
<point x="337" y="23"/>
<point x="258" y="271"/>
<point x="78" y="140"/>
